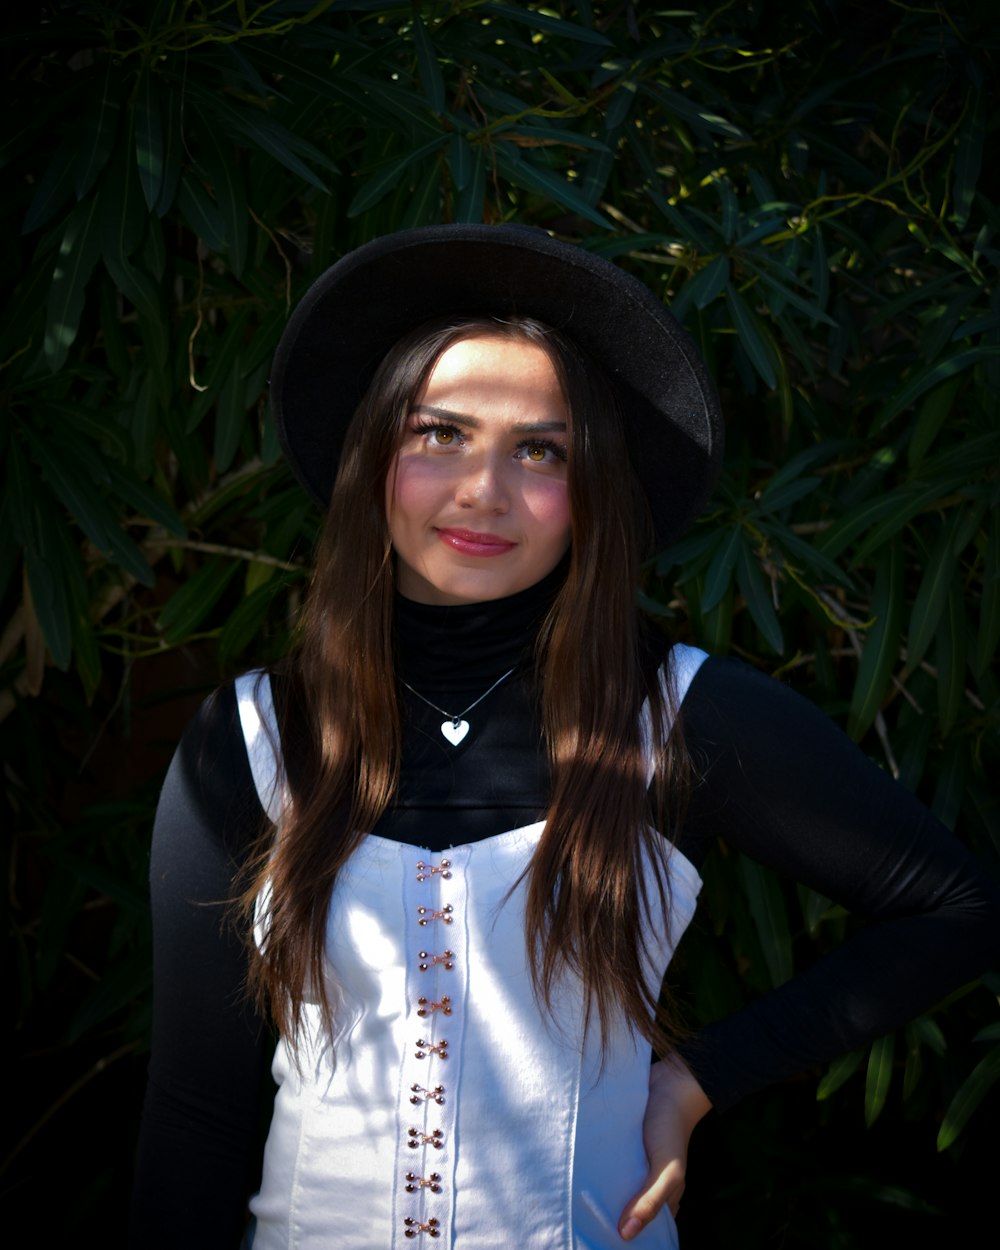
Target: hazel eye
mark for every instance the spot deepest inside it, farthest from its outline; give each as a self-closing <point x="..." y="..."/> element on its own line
<point x="536" y="452"/>
<point x="443" y="436"/>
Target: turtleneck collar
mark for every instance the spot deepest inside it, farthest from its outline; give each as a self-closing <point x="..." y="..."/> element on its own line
<point x="454" y="646"/>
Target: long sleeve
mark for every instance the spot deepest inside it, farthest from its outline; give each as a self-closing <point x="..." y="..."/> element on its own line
<point x="780" y="783"/>
<point x="196" y="1158"/>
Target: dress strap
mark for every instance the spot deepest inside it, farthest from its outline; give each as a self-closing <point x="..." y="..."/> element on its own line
<point x="259" y="722"/>
<point x="676" y="675"/>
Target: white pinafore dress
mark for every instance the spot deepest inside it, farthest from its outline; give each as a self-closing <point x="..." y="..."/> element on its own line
<point x="449" y="1109"/>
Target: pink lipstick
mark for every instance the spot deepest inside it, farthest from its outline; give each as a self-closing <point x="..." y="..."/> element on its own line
<point x="470" y="543"/>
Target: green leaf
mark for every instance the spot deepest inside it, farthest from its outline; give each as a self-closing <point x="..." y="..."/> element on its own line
<point x="230" y="418"/>
<point x="424" y="204"/>
<point x="536" y="178"/>
<point x="932" y="596"/>
<point x="970" y="1094"/>
<point x="756" y="593"/>
<point x="750" y="337"/>
<point x="201" y="213"/>
<point x="472" y="196"/>
<point x="244" y="624"/>
<point x="541" y="21"/>
<point x="922" y="380"/>
<point x="946" y="802"/>
<point x="708" y="283"/>
<point x="54" y="189"/>
<point x="770" y="917"/>
<point x="171" y="103"/>
<point x="189" y="606"/>
<point x="145" y="500"/>
<point x="950" y="656"/>
<point x="430" y="70"/>
<point x="881" y="647"/>
<point x="720" y="571"/>
<point x="989" y="609"/>
<point x="389" y="176"/>
<point x="879" y="1076"/>
<point x="78" y="253"/>
<point x="96" y="134"/>
<point x="969" y="157"/>
<point x="839" y="1071"/>
<point x="124" y="215"/>
<point x="217" y="162"/>
<point x="149" y="146"/>
<point x="933" y="413"/>
<point x="459" y="161"/>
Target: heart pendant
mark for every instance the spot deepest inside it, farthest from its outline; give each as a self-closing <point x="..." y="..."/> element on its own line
<point x="455" y="730"/>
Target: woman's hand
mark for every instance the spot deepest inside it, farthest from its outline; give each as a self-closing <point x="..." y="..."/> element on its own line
<point x="676" y="1104"/>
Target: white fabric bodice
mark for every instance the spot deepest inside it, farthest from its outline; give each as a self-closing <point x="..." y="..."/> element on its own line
<point x="449" y="1107"/>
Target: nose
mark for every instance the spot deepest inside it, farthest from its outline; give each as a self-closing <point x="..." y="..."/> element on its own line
<point x="483" y="487"/>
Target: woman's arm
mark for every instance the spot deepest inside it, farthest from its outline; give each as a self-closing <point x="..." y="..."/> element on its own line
<point x="779" y="782"/>
<point x="197" y="1149"/>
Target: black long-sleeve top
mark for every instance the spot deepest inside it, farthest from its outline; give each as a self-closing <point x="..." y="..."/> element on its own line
<point x="772" y="776"/>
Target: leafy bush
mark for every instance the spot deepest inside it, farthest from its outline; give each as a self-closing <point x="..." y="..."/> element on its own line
<point x="807" y="185"/>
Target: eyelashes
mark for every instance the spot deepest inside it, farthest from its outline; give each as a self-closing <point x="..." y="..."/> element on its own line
<point x="445" y="435"/>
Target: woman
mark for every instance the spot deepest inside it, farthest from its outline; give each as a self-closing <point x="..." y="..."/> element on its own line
<point x="463" y="921"/>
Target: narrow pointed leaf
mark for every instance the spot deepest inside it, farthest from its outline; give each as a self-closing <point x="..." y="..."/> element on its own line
<point x="78" y="253"/>
<point x="949" y="654"/>
<point x="149" y="145"/>
<point x="218" y="163"/>
<point x="124" y="215"/>
<point x="389" y="175"/>
<point x="541" y="21"/>
<point x="879" y="1076"/>
<point x="230" y="419"/>
<point x="460" y="161"/>
<point x="536" y="178"/>
<point x="970" y="1094"/>
<point x="989" y="608"/>
<point x="428" y="67"/>
<point x="969" y="157"/>
<point x="720" y="571"/>
<point x="750" y="337"/>
<point x="55" y="188"/>
<point x="96" y="134"/>
<point x="756" y="593"/>
<point x="922" y="380"/>
<point x="932" y="596"/>
<point x="839" y="1071"/>
<point x="201" y="213"/>
<point x="170" y="111"/>
<point x="189" y="605"/>
<point x="770" y="917"/>
<point x="881" y="645"/>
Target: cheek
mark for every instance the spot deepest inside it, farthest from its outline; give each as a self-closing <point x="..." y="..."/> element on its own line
<point x="548" y="505"/>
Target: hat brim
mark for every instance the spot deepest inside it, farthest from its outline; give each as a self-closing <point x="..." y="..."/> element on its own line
<point x="363" y="304"/>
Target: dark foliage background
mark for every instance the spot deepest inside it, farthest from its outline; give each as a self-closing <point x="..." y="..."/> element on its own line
<point x="808" y="185"/>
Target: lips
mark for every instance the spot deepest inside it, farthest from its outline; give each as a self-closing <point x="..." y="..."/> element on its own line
<point x="472" y="543"/>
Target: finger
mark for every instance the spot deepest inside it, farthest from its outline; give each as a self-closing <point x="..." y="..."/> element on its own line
<point x="659" y="1189"/>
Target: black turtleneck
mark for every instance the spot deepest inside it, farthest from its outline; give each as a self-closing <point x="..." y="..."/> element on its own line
<point x="773" y="777"/>
<point x="497" y="777"/>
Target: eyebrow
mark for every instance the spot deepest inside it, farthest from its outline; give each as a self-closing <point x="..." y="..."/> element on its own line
<point x="473" y="423"/>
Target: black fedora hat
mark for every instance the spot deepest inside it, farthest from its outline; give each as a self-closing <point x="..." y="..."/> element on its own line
<point x="353" y="314"/>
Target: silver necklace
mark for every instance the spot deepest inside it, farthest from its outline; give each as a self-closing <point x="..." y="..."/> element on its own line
<point x="455" y="727"/>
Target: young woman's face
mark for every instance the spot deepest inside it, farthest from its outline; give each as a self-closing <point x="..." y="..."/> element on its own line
<point x="477" y="499"/>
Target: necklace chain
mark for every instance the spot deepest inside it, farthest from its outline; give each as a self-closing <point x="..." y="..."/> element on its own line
<point x="456" y="719"/>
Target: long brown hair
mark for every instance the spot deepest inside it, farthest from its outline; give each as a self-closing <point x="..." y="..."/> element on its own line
<point x="586" y="888"/>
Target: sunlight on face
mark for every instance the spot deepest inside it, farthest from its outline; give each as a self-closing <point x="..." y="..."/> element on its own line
<point x="477" y="499"/>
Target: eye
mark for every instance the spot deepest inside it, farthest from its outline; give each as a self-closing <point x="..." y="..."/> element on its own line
<point x="443" y="435"/>
<point x="541" y="451"/>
